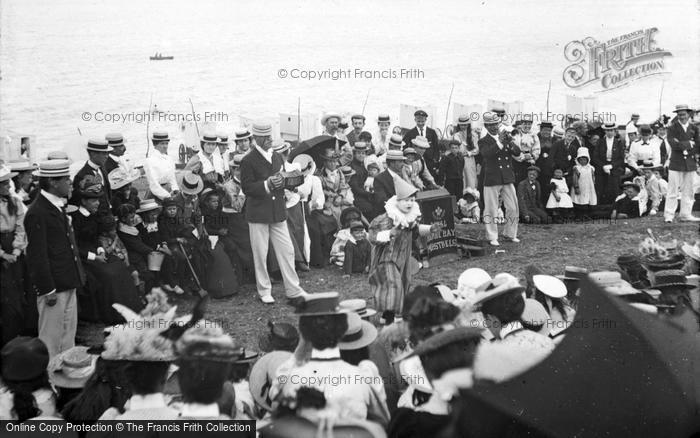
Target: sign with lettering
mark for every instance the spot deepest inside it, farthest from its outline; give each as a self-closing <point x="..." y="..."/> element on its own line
<point x="437" y="208"/>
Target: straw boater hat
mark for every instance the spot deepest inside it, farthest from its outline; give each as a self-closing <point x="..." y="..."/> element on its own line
<point x="305" y="162"/>
<point x="192" y="183"/>
<point x="120" y="177"/>
<point x="223" y="138"/>
<point x="421" y="142"/>
<point x="403" y="189"/>
<point x="24" y="358"/>
<point x="395" y="155"/>
<point x="573" y="273"/>
<point x="464" y="120"/>
<point x="358" y="305"/>
<point x="72" y="368"/>
<point x="159" y="136"/>
<point x="282" y="336"/>
<point x="98" y="145"/>
<point x="241" y="134"/>
<point x="558" y="131"/>
<point x="550" y="286"/>
<point x="534" y="314"/>
<point x="6" y="174"/>
<point x="470" y="280"/>
<point x="347" y="172"/>
<point x="53" y="169"/>
<point x="280" y="146"/>
<point x="546" y="124"/>
<point x="261" y="128"/>
<point x="262" y="376"/>
<point x="409" y="151"/>
<point x="501" y="284"/>
<point x="682" y="107"/>
<point x="671" y="278"/>
<point x="383" y="118"/>
<point x="396" y="142"/>
<point x="359" y="333"/>
<point x="323" y="303"/>
<point x="147" y="205"/>
<point x="360" y="146"/>
<point x="115" y="139"/>
<point x="327" y="116"/>
<point x="21" y="166"/>
<point x="491" y="119"/>
<point x="208" y="137"/>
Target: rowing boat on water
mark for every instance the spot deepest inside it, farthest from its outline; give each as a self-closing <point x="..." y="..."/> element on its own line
<point x="161" y="58"/>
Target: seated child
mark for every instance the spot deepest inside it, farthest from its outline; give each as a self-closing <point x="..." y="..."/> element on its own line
<point x="643" y="195"/>
<point x="357" y="250"/>
<point x="559" y="200"/>
<point x="627" y="204"/>
<point x="468" y="206"/>
<point x="656" y="189"/>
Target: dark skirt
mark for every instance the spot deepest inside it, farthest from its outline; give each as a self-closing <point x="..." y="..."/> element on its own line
<point x="238" y="246"/>
<point x="221" y="278"/>
<point x="322" y="231"/>
<point x="17" y="307"/>
<point x="107" y="283"/>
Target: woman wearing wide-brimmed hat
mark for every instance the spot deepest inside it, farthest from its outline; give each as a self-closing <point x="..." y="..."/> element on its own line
<point x="121" y="180"/>
<point x="335" y="187"/>
<point x="109" y="279"/>
<point x="13" y="242"/>
<point x="23" y="181"/>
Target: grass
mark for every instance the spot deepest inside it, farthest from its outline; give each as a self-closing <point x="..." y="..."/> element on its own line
<point x="595" y="246"/>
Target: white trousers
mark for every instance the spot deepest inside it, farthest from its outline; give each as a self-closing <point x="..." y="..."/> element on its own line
<point x="510" y="202"/>
<point x="260" y="237"/>
<point x="58" y="323"/>
<point x="679" y="183"/>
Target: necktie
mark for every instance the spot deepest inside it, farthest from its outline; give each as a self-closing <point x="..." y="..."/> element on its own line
<point x="98" y="176"/>
<point x="645" y="143"/>
<point x="421" y="132"/>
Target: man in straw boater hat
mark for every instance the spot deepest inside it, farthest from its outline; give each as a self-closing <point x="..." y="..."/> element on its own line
<point x="383" y="134"/>
<point x="160" y="168"/>
<point x="499" y="180"/>
<point x="117" y="157"/>
<point x="384" y="182"/>
<point x="98" y="151"/>
<point x="420" y="168"/>
<point x="55" y="271"/>
<point x="242" y="139"/>
<point x="323" y="324"/>
<point x="608" y="159"/>
<point x="684" y="139"/>
<point x="266" y="213"/>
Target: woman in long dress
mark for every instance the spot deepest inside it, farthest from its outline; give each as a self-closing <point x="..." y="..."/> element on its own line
<point x="469" y="150"/>
<point x="391" y="234"/>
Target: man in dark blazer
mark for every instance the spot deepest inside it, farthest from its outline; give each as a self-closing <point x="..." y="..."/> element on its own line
<point x="55" y="270"/>
<point x="498" y="151"/>
<point x="364" y="200"/>
<point x="267" y="215"/>
<point x="384" y="187"/>
<point x="530" y="198"/>
<point x="608" y="160"/>
<point x="116" y="142"/>
<point x="431" y="155"/>
<point x="98" y="152"/>
<point x="564" y="153"/>
<point x="684" y="140"/>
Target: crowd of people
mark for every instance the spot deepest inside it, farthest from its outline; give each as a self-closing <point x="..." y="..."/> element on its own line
<point x="97" y="247"/>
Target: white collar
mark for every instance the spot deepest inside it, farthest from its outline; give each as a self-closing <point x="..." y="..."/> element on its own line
<point x="57" y="201"/>
<point x="510" y="328"/>
<point x="684" y="125"/>
<point x="148" y="401"/>
<point x="267" y="154"/>
<point x="328" y="353"/>
<point x="84" y="211"/>
<point x="93" y="165"/>
<point x="199" y="410"/>
<point x="115" y="158"/>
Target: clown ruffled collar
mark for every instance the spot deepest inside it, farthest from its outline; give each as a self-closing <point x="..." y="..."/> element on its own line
<point x="401" y="219"/>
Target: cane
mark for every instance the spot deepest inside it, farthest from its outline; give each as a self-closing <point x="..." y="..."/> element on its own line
<point x="201" y="292"/>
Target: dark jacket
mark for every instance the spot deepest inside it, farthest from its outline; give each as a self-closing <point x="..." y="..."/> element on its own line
<point x="599" y="156"/>
<point x="451" y="167"/>
<point x="86" y="231"/>
<point x="262" y="207"/>
<point x="383" y="190"/>
<point x="529" y="198"/>
<point x="364" y="200"/>
<point x="564" y="156"/>
<point x="52" y="254"/>
<point x="497" y="163"/>
<point x="110" y="164"/>
<point x="82" y="173"/>
<point x="679" y="140"/>
<point x="431" y="154"/>
<point x="118" y="199"/>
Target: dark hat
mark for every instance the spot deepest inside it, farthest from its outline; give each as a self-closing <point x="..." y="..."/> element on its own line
<point x="635" y="115"/>
<point x="609" y="125"/>
<point x="115" y="139"/>
<point x="247" y="356"/>
<point x="570" y="128"/>
<point x="383" y="118"/>
<point x="628" y="259"/>
<point x="534" y="168"/>
<point x="169" y="202"/>
<point x="207" y="342"/>
<point x="654" y="264"/>
<point x="98" y="145"/>
<point x="645" y="129"/>
<point x="546" y="125"/>
<point x="329" y="154"/>
<point x="443" y="339"/>
<point x="347" y="172"/>
<point x="24" y="358"/>
<point x="223" y="139"/>
<point x="420" y="113"/>
<point x="359" y="333"/>
<point x="356" y="224"/>
<point x="209" y="137"/>
<point x="282" y="336"/>
<point x="242" y="134"/>
<point x="627" y="184"/>
<point x="671" y="278"/>
<point x="682" y="107"/>
<point x="573" y="273"/>
<point x="324" y="303"/>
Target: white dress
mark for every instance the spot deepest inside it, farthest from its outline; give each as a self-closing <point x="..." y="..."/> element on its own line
<point x="587" y="195"/>
<point x="563" y="191"/>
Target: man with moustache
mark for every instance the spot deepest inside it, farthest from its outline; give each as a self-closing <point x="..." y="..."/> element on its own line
<point x="381" y="139"/>
<point x="683" y="137"/>
<point x="331" y="126"/>
<point x="420" y="130"/>
<point x="564" y="153"/>
<point x="608" y="159"/>
<point x="116" y="158"/>
<point x="98" y="152"/>
<point x="358" y="124"/>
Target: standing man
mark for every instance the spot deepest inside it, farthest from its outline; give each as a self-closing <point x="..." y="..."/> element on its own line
<point x="432" y="154"/>
<point x="364" y="200"/>
<point x="242" y="140"/>
<point x="683" y="137"/>
<point x="160" y="169"/>
<point x="55" y="270"/>
<point x="98" y="152"/>
<point x="608" y="159"/>
<point x="358" y="124"/>
<point x="116" y="158"/>
<point x="384" y="186"/>
<point x="498" y="152"/>
<point x="266" y="214"/>
<point x="545" y="161"/>
<point x="564" y="153"/>
<point x="381" y="139"/>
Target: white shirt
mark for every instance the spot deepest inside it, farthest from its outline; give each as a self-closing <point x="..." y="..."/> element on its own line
<point x="267" y="154"/>
<point x="198" y="410"/>
<point x="609" y="147"/>
<point x="58" y="202"/>
<point x="498" y="140"/>
<point x="160" y="170"/>
<point x="639" y="151"/>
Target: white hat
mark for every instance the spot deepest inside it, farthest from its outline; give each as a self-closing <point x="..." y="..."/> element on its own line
<point x="53" y="169"/>
<point x="262" y="128"/>
<point x="470" y="280"/>
<point x="550" y="285"/>
<point x="120" y="177"/>
<point x="327" y="116"/>
<point x="500" y="284"/>
<point x="583" y="152"/>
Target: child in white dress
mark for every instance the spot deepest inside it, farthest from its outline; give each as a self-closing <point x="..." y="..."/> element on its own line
<point x="559" y="200"/>
<point x="583" y="191"/>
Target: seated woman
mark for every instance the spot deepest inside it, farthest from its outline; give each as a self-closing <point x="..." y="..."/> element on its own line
<point x="109" y="279"/>
<point x="233" y="208"/>
<point x="335" y="188"/>
<point x="222" y="278"/>
<point x="208" y="162"/>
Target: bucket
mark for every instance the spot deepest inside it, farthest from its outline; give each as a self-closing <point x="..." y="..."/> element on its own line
<point x="155" y="260"/>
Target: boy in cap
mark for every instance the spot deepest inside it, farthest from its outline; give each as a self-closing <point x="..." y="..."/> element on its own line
<point x="530" y="198"/>
<point x="357" y="250"/>
<point x="451" y="170"/>
<point x="627" y="204"/>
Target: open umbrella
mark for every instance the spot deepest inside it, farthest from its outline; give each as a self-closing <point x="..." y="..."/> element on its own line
<point x="618" y="372"/>
<point x="314" y="146"/>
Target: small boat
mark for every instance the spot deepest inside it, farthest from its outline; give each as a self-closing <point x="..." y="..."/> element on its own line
<point x="160" y="57"/>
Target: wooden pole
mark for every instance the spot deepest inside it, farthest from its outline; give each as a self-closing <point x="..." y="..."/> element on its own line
<point x="299" y="120"/>
<point x="444" y="131"/>
<point x="365" y="104"/>
<point x="660" y="96"/>
<point x="194" y="117"/>
<point x="148" y="123"/>
<point x="549" y="88"/>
